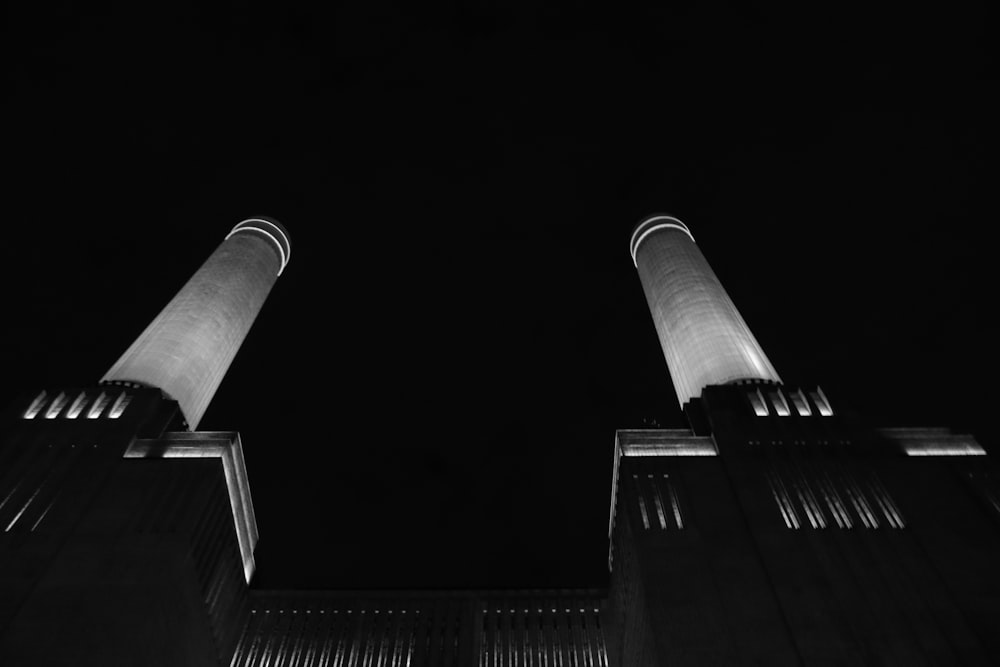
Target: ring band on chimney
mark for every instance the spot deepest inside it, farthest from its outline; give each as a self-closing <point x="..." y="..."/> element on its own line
<point x="652" y="224"/>
<point x="273" y="230"/>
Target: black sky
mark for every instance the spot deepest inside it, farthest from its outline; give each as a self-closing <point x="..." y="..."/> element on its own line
<point x="430" y="395"/>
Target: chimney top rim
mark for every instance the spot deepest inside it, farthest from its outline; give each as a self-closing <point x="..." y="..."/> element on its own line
<point x="271" y="228"/>
<point x="650" y="224"/>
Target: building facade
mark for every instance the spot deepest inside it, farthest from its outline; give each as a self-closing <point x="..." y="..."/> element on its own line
<point x="780" y="528"/>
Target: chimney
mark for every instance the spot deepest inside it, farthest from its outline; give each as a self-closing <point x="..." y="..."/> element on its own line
<point x="187" y="349"/>
<point x="704" y="339"/>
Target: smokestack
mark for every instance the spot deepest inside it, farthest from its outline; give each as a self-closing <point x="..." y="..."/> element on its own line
<point x="704" y="339"/>
<point x="187" y="349"/>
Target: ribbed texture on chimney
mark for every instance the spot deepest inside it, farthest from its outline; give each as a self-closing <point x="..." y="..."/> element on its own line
<point x="187" y="349"/>
<point x="704" y="338"/>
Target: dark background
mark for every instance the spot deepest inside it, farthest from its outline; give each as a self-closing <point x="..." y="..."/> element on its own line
<point x="430" y="395"/>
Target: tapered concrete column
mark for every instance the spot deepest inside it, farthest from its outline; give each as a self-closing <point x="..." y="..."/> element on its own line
<point x="704" y="338"/>
<point x="187" y="349"/>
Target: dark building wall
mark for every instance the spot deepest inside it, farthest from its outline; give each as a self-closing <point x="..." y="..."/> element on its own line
<point x="706" y="598"/>
<point x="809" y="540"/>
<point x="114" y="561"/>
<point x="51" y="471"/>
<point x="630" y="640"/>
<point x="780" y="539"/>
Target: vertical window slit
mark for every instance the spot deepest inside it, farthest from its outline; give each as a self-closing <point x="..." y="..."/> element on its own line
<point x="834" y="502"/>
<point x="42" y="515"/>
<point x="860" y="503"/>
<point x="541" y="640"/>
<point x="397" y="646"/>
<point x="797" y="486"/>
<point x="77" y="407"/>
<point x="810" y="497"/>
<point x="356" y="638"/>
<point x="119" y="407"/>
<point x="409" y="648"/>
<point x="801" y="404"/>
<point x="25" y="507"/>
<point x="56" y="407"/>
<point x="786" y="498"/>
<point x="383" y="646"/>
<point x="781" y="507"/>
<point x="829" y="502"/>
<point x="892" y="513"/>
<point x="526" y="642"/>
<point x="659" y="504"/>
<point x="779" y="403"/>
<point x="822" y="404"/>
<point x="602" y="649"/>
<point x="886" y="512"/>
<point x="784" y="503"/>
<point x="757" y="401"/>
<point x="35" y="406"/>
<point x="484" y="642"/>
<point x="674" y="503"/>
<point x="642" y="502"/>
<point x="557" y="658"/>
<point x="571" y="641"/>
<point x="98" y="407"/>
<point x="511" y="651"/>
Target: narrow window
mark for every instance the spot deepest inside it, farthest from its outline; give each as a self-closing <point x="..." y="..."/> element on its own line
<point x="56" y="407"/>
<point x="23" y="509"/>
<point x="119" y="407"/>
<point x="497" y="646"/>
<point x="484" y="651"/>
<point x="77" y="407"/>
<point x="801" y="404"/>
<point x="525" y="642"/>
<point x="779" y="403"/>
<point x="541" y="640"/>
<point x="780" y="494"/>
<point x="511" y="651"/>
<point x="602" y="650"/>
<point x="860" y="503"/>
<point x="808" y="502"/>
<point x="835" y="503"/>
<point x="757" y="401"/>
<point x="642" y="502"/>
<point x="822" y="404"/>
<point x="42" y="516"/>
<point x="674" y="504"/>
<point x="886" y="503"/>
<point x="659" y="504"/>
<point x="98" y="407"/>
<point x="35" y="406"/>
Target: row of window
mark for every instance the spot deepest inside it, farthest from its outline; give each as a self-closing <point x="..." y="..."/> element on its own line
<point x="822" y="501"/>
<point x="777" y="402"/>
<point x="655" y="492"/>
<point x="543" y="640"/>
<point x="344" y="639"/>
<point x="89" y="404"/>
<point x="826" y="501"/>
